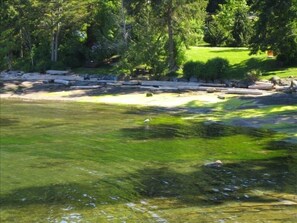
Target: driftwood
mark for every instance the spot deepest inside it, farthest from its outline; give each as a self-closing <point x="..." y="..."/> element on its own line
<point x="57" y="72"/>
<point x="86" y="87"/>
<point x="263" y="86"/>
<point x="244" y="91"/>
<point x="133" y="83"/>
<point x="212" y="85"/>
<point x="169" y="84"/>
<point x="59" y="81"/>
<point x="282" y="88"/>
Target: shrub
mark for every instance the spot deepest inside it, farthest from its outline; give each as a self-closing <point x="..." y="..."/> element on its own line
<point x="216" y="68"/>
<point x="194" y="69"/>
<point x="253" y="75"/>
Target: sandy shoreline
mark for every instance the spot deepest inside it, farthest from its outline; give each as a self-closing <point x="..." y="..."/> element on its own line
<point x="191" y="101"/>
<point x="137" y="98"/>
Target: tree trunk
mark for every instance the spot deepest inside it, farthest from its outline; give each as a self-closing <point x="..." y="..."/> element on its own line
<point x="171" y="60"/>
<point x="54" y="44"/>
<point x="125" y="34"/>
<point x="22" y="44"/>
<point x="53" y="47"/>
<point x="56" y="47"/>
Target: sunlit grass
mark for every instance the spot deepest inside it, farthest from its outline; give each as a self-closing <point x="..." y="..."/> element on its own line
<point x="241" y="61"/>
<point x="239" y="58"/>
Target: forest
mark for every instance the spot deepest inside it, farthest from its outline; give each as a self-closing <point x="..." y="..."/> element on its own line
<point x="36" y="35"/>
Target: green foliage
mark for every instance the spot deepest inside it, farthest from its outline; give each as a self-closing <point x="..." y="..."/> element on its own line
<point x="216" y="68"/>
<point x="194" y="69"/>
<point x="213" y="69"/>
<point x="276" y="29"/>
<point x="215" y="34"/>
<point x="253" y="75"/>
<point x="150" y="20"/>
<point x="230" y="26"/>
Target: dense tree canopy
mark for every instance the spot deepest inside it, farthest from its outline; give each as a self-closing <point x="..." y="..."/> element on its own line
<point x="231" y="25"/>
<point x="42" y="34"/>
<point x="276" y="29"/>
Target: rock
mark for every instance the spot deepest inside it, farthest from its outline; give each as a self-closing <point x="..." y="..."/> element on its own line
<point x="221" y="97"/>
<point x="215" y="164"/>
<point x="211" y="90"/>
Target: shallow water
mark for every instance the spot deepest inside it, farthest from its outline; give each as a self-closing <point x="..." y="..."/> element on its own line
<point x="80" y="162"/>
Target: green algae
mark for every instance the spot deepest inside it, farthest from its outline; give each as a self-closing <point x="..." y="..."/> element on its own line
<point x="80" y="162"/>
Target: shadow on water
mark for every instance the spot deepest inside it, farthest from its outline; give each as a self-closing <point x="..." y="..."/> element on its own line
<point x="191" y="130"/>
<point x="8" y="122"/>
<point x="231" y="182"/>
<point x="203" y="186"/>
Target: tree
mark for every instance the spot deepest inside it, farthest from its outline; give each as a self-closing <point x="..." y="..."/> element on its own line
<point x="213" y="5"/>
<point x="173" y="17"/>
<point x="104" y="30"/>
<point x="61" y="16"/>
<point x="16" y="31"/>
<point x="276" y="29"/>
<point x="231" y="24"/>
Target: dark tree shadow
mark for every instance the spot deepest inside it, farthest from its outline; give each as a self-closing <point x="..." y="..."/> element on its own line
<point x="231" y="182"/>
<point x="8" y="122"/>
<point x="204" y="186"/>
<point x="191" y="130"/>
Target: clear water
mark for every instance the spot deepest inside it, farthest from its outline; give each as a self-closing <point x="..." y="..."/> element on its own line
<point x="80" y="162"/>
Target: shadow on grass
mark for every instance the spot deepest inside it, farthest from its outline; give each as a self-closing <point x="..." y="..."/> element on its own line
<point x="228" y="50"/>
<point x="264" y="65"/>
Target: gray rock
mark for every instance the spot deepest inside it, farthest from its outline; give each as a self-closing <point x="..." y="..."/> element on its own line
<point x="215" y="164"/>
<point x="211" y="90"/>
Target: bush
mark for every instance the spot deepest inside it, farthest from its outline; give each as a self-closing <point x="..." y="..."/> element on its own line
<point x="194" y="69"/>
<point x="216" y="68"/>
<point x="42" y="65"/>
<point x="253" y="75"/>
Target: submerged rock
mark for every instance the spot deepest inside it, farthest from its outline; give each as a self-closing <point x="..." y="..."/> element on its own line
<point x="215" y="164"/>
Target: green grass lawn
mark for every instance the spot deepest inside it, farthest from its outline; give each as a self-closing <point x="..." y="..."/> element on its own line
<point x="240" y="60"/>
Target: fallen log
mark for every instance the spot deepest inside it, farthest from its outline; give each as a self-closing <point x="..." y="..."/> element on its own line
<point x="59" y="81"/>
<point x="212" y="85"/>
<point x="85" y="87"/>
<point x="244" y="91"/>
<point x="57" y="72"/>
<point x="282" y="88"/>
<point x="169" y="84"/>
<point x="131" y="83"/>
<point x="262" y="86"/>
